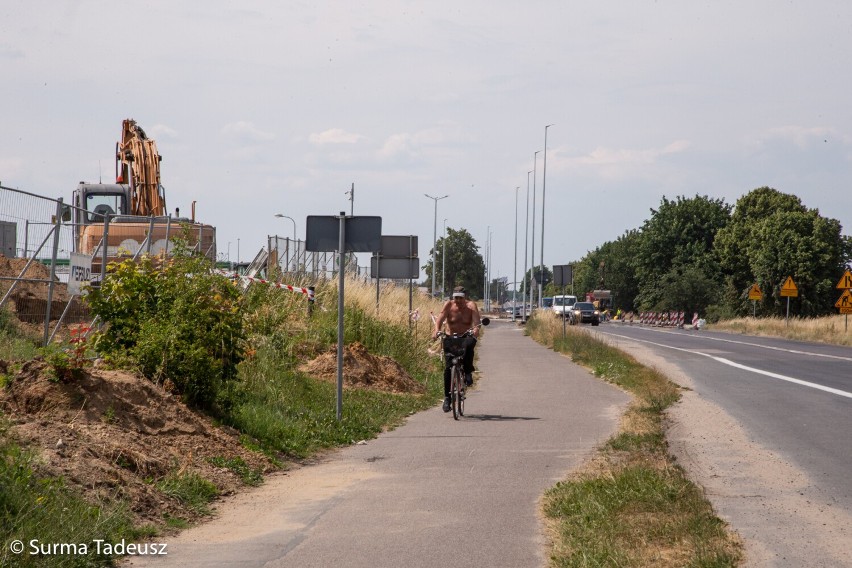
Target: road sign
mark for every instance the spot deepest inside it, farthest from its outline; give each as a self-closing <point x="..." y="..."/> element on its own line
<point x="845" y="281"/>
<point x="562" y="274"/>
<point x="789" y="288"/>
<point x="845" y="300"/>
<point x="755" y="293"/>
<point x="846" y="310"/>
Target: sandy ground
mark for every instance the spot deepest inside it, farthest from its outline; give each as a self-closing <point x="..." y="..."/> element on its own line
<point x="782" y="517"/>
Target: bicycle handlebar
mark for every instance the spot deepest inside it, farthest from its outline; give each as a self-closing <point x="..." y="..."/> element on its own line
<point x="482" y="322"/>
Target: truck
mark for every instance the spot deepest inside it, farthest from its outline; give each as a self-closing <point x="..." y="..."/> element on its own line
<point x="119" y="220"/>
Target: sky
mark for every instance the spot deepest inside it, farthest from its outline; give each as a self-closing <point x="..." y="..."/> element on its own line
<point x="264" y="107"/>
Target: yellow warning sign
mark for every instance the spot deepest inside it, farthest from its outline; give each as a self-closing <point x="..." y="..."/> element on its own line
<point x="845" y="281"/>
<point x="755" y="293"/>
<point x="845" y="300"/>
<point x="789" y="288"/>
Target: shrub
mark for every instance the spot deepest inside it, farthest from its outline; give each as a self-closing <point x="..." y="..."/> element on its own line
<point x="178" y="321"/>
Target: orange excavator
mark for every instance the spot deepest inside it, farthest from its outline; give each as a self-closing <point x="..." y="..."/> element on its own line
<point x="128" y="218"/>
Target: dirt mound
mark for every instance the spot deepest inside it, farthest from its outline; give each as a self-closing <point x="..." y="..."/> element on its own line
<point x="28" y="300"/>
<point x="110" y="433"/>
<point x="363" y="370"/>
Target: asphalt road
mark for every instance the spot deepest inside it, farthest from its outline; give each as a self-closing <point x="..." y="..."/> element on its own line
<point x="765" y="429"/>
<point x="794" y="397"/>
<point x="435" y="491"/>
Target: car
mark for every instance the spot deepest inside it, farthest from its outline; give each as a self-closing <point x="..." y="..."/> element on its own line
<point x="584" y="312"/>
<point x="562" y="305"/>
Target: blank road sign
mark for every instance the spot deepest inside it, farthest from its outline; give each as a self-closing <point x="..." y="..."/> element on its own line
<point x="362" y="234"/>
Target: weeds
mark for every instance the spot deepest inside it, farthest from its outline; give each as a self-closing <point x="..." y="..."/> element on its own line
<point x="190" y="489"/>
<point x="38" y="510"/>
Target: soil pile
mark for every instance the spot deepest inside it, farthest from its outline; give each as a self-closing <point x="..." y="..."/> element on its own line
<point x="28" y="300"/>
<point x="111" y="432"/>
<point x="363" y="370"/>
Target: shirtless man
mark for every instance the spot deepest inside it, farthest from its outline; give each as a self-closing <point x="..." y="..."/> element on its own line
<point x="460" y="315"/>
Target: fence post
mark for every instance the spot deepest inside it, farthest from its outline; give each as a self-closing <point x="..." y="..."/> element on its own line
<point x="57" y="223"/>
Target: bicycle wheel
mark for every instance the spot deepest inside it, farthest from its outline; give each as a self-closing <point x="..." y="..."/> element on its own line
<point x="455" y="391"/>
<point x="462" y="395"/>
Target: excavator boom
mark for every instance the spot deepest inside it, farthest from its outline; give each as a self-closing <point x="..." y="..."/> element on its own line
<point x="138" y="165"/>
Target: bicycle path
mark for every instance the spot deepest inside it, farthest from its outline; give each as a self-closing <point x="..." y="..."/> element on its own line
<point x="434" y="490"/>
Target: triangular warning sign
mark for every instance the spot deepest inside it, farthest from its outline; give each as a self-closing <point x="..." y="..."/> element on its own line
<point x="755" y="293"/>
<point x="789" y="288"/>
<point x="845" y="281"/>
<point x="845" y="300"/>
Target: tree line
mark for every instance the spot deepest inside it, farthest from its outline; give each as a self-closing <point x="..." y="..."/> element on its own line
<point x="696" y="254"/>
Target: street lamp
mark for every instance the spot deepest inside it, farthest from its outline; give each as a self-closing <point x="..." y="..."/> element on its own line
<point x="515" y="277"/>
<point x="287" y="260"/>
<point x="532" y="245"/>
<point x="281" y="216"/>
<point x="526" y="249"/>
<point x="543" y="188"/>
<point x="434" y="236"/>
<point x="444" y="262"/>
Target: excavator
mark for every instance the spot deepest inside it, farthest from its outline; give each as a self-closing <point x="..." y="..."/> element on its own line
<point x="128" y="218"/>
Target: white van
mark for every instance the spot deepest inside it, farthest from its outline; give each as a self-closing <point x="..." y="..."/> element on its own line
<point x="562" y="304"/>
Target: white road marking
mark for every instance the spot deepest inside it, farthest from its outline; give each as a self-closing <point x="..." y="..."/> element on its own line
<point x="799" y="352"/>
<point x="744" y="367"/>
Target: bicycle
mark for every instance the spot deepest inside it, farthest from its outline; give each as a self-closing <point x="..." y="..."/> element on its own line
<point x="456" y="346"/>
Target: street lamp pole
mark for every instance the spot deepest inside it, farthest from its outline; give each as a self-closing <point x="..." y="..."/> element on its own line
<point x="532" y="245"/>
<point x="434" y="236"/>
<point x="287" y="260"/>
<point x="444" y="262"/>
<point x="515" y="277"/>
<point x="543" y="188"/>
<point x="280" y="216"/>
<point x="526" y="250"/>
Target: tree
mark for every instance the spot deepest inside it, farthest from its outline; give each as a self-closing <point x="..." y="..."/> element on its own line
<point x="771" y="236"/>
<point x="676" y="241"/>
<point x="464" y="265"/>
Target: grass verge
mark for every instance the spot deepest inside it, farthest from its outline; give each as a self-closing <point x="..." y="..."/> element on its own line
<point x="632" y="505"/>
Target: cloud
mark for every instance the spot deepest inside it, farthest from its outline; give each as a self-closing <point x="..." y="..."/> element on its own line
<point x="335" y="136"/>
<point x="162" y="132"/>
<point x="802" y="137"/>
<point x="9" y="52"/>
<point x="246" y="132"/>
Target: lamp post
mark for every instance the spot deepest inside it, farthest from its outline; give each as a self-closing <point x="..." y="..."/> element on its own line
<point x="434" y="236"/>
<point x="230" y="264"/>
<point x="444" y="262"/>
<point x="532" y="244"/>
<point x="526" y="250"/>
<point x="282" y="216"/>
<point x="543" y="188"/>
<point x="515" y="277"/>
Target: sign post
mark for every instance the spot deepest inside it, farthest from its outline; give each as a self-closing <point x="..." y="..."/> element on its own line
<point x="844" y="303"/>
<point x="330" y="233"/>
<point x="789" y="290"/>
<point x="755" y="295"/>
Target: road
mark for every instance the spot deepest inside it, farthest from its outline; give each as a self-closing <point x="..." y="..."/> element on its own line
<point x="765" y="429"/>
<point x="434" y="491"/>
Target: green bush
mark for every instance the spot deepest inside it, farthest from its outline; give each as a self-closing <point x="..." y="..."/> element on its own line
<point x="178" y="322"/>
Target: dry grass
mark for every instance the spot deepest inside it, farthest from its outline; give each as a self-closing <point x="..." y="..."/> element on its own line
<point x="393" y="303"/>
<point x="829" y="329"/>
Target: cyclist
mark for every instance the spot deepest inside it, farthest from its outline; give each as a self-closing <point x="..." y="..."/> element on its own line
<point x="460" y="315"/>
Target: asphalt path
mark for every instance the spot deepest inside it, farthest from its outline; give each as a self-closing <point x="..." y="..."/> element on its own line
<point x="434" y="491"/>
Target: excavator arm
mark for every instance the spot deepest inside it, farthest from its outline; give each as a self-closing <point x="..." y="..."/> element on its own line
<point x="137" y="164"/>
